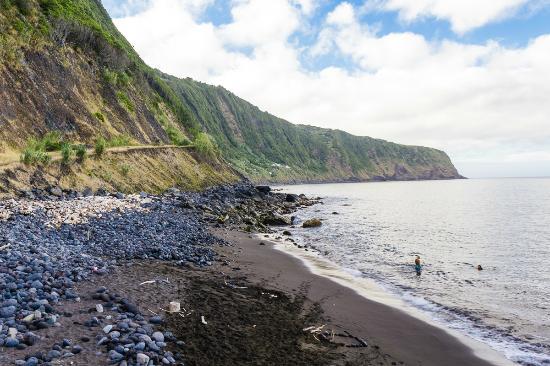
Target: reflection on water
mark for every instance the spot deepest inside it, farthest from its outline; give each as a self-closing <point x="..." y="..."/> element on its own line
<point x="376" y="229"/>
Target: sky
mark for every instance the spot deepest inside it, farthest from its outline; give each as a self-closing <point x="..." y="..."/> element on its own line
<point x="470" y="77"/>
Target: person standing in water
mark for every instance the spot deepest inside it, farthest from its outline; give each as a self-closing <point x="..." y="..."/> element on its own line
<point x="417" y="266"/>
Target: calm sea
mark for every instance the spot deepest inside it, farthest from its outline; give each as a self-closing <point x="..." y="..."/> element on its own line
<point x="454" y="226"/>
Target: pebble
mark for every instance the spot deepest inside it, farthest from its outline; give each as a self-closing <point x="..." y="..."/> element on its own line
<point x="158" y="337"/>
<point x="58" y="238"/>
<point x="142" y="359"/>
<point x="107" y="328"/>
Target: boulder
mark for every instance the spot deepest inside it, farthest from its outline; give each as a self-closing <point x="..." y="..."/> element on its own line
<point x="275" y="219"/>
<point x="264" y="189"/>
<point x="312" y="223"/>
<point x="292" y="198"/>
<point x="56" y="191"/>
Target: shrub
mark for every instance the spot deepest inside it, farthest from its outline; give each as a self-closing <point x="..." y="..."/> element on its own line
<point x="125" y="101"/>
<point x="66" y="153"/>
<point x="114" y="78"/>
<point x="205" y="145"/>
<point x="52" y="141"/>
<point x="110" y="77"/>
<point x="31" y="156"/>
<point x="123" y="79"/>
<point x="24" y="6"/>
<point x="177" y="137"/>
<point x="81" y="152"/>
<point x="125" y="169"/>
<point x="121" y="140"/>
<point x="100" y="146"/>
<point x="99" y="116"/>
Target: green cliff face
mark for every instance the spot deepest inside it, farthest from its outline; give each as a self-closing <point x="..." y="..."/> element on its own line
<point x="65" y="67"/>
<point x="268" y="148"/>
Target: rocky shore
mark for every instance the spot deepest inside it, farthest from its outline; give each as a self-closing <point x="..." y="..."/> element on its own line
<point x="52" y="241"/>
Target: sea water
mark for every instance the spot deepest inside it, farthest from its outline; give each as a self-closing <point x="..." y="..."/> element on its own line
<point x="375" y="230"/>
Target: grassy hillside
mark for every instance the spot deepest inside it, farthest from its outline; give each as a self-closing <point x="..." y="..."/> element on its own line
<point x="268" y="148"/>
<point x="64" y="67"/>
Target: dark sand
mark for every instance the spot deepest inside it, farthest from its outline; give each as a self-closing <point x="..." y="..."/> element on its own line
<point x="407" y="339"/>
<point x="257" y="302"/>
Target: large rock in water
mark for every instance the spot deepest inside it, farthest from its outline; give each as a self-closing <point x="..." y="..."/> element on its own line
<point x="312" y="223"/>
<point x="276" y="219"/>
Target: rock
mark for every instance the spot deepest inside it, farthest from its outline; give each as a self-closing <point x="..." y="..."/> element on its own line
<point x="12" y="332"/>
<point x="158" y="336"/>
<point x="140" y="346"/>
<point x="115" y="356"/>
<point x="56" y="191"/>
<point x="11" y="342"/>
<point x="30" y="338"/>
<point x="76" y="349"/>
<point x="8" y="311"/>
<point x="155" y="320"/>
<point x="292" y="198"/>
<point x="287" y="233"/>
<point x="142" y="359"/>
<point x="31" y="361"/>
<point x="312" y="223"/>
<point x="276" y="219"/>
<point x="129" y="307"/>
<point x="53" y="354"/>
<point x="99" y="308"/>
<point x="263" y="189"/>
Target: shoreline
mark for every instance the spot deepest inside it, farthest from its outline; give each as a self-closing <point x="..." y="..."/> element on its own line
<point x="373" y="291"/>
<point x="259" y="302"/>
<point x="408" y="339"/>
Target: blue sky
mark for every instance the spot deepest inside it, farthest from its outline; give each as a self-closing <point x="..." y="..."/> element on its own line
<point x="515" y="30"/>
<point x="469" y="77"/>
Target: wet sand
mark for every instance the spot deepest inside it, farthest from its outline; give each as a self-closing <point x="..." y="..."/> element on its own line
<point x="257" y="304"/>
<point x="407" y="339"/>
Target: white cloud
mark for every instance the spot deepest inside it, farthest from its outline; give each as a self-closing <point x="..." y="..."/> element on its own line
<point x="474" y="101"/>
<point x="258" y="23"/>
<point x="464" y="15"/>
<point x="343" y="14"/>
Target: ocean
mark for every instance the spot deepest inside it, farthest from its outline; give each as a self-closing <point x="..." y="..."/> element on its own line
<point x="375" y="230"/>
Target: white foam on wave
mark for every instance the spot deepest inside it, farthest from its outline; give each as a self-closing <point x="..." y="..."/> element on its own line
<point x="415" y="306"/>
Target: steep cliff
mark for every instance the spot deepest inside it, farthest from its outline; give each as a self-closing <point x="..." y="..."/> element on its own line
<point x="271" y="149"/>
<point x="64" y="67"/>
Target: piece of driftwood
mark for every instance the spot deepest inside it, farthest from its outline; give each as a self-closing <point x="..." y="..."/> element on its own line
<point x="148" y="282"/>
<point x="314" y="329"/>
<point x="5" y="246"/>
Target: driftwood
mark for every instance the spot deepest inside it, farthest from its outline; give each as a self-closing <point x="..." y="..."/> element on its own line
<point x="154" y="281"/>
<point x="5" y="246"/>
<point x="314" y="329"/>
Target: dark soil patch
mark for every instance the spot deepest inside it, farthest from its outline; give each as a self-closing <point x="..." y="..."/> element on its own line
<point x="248" y="326"/>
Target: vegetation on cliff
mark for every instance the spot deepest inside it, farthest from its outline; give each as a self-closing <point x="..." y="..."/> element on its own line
<point x="269" y="148"/>
<point x="65" y="67"/>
